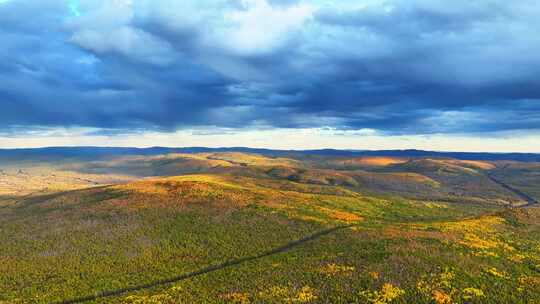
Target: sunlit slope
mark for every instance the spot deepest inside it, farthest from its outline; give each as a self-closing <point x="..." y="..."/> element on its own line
<point x="258" y="166"/>
<point x="159" y="165"/>
<point x="420" y="178"/>
<point x="363" y="162"/>
<point x="25" y="179"/>
<point x="77" y="243"/>
<point x="427" y="165"/>
<point x="461" y="180"/>
<point x="177" y="164"/>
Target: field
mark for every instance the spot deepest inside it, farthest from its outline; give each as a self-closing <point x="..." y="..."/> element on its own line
<point x="249" y="228"/>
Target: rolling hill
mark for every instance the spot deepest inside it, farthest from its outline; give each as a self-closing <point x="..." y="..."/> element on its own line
<point x="252" y="228"/>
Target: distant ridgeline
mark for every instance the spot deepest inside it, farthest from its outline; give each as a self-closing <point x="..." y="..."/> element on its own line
<point x="105" y="152"/>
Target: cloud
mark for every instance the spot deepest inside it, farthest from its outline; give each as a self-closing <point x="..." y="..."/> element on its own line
<point x="260" y="28"/>
<point x="393" y="66"/>
<point x="126" y="41"/>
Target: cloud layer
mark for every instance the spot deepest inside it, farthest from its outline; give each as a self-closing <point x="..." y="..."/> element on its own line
<point x="395" y="66"/>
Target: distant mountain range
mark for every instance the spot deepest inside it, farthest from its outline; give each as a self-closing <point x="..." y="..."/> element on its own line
<point x="104" y="152"/>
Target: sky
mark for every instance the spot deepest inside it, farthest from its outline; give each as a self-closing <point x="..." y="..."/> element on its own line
<point x="456" y="75"/>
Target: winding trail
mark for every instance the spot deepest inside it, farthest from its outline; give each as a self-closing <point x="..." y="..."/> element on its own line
<point x="208" y="269"/>
<point x="531" y="201"/>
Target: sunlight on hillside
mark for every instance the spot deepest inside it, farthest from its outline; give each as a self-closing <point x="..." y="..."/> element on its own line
<point x="415" y="231"/>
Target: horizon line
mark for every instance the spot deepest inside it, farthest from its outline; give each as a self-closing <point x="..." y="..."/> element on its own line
<point x="259" y="148"/>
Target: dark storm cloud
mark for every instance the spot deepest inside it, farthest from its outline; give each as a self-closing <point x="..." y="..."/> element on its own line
<point x="411" y="67"/>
